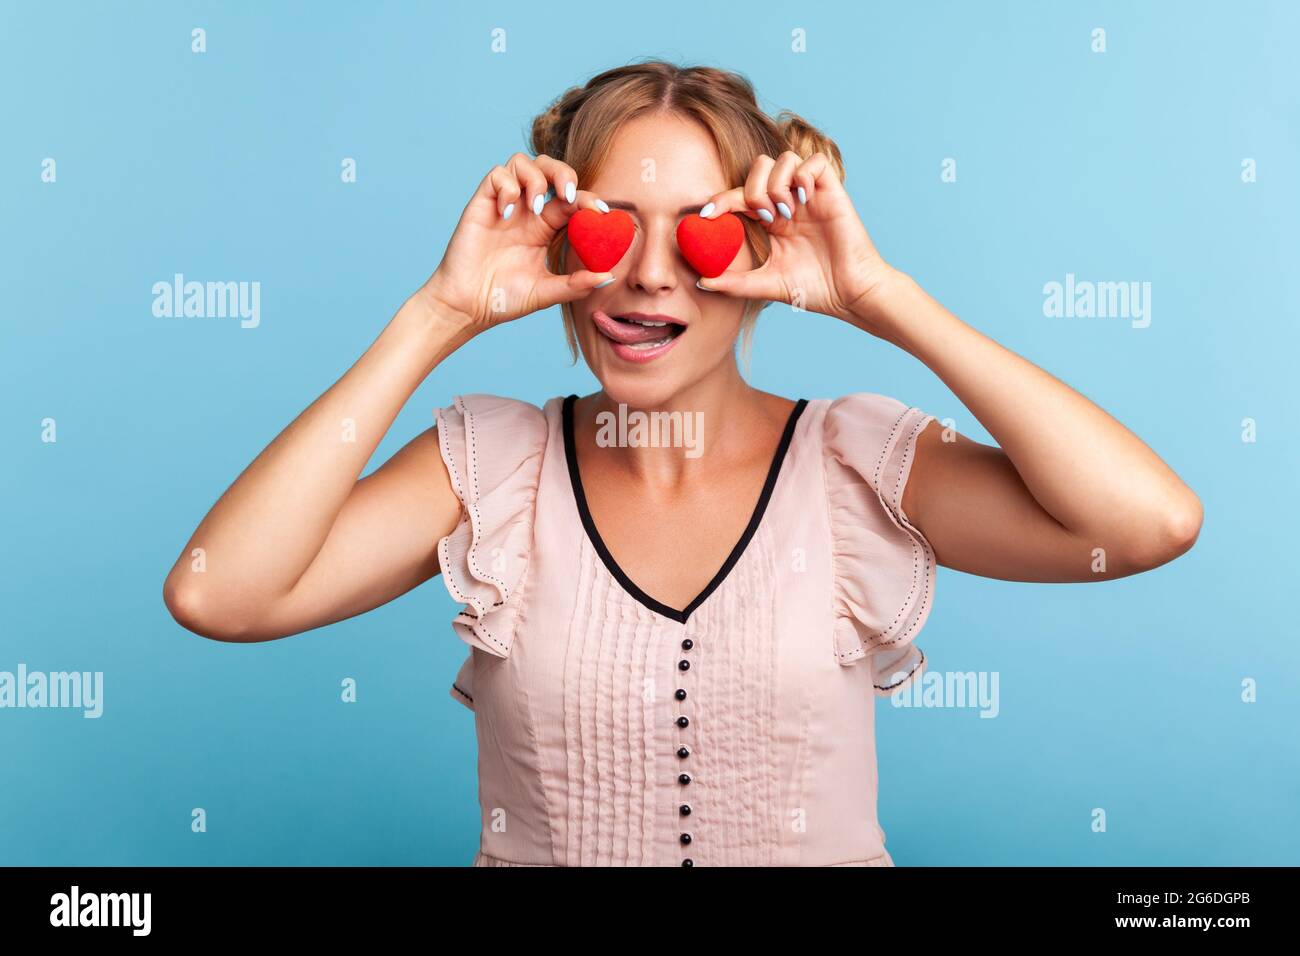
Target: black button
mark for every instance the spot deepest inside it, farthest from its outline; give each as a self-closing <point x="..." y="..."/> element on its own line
<point x="683" y="665"/>
<point x="688" y="862"/>
<point x="685" y="838"/>
<point x="682" y="721"/>
<point x="683" y="752"/>
<point x="684" y="809"/>
<point x="687" y="644"/>
<point x="683" y="778"/>
<point x="681" y="694"/>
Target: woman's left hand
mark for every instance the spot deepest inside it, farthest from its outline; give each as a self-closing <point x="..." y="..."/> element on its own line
<point x="822" y="259"/>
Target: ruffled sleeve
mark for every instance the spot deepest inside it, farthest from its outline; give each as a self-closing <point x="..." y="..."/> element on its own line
<point x="493" y="450"/>
<point x="884" y="567"/>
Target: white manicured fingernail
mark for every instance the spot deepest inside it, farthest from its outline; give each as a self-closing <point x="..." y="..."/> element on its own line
<point x="764" y="215"/>
<point x="538" y="203"/>
<point x="601" y="285"/>
<point x="803" y="195"/>
<point x="707" y="211"/>
<point x="505" y="213"/>
<point x="570" y="191"/>
<point x="601" y="205"/>
<point x="784" y="210"/>
<point x="704" y="287"/>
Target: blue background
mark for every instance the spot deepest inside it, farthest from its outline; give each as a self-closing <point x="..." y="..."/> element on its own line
<point x="225" y="165"/>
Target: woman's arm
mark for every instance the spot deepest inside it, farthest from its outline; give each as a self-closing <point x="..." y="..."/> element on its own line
<point x="298" y="541"/>
<point x="1066" y="479"/>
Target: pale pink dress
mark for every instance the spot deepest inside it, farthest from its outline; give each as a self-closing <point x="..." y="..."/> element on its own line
<point x="739" y="731"/>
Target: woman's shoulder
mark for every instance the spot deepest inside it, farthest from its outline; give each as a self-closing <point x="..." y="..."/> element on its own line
<point x="870" y="433"/>
<point x="488" y="441"/>
<point x="872" y="409"/>
<point x="499" y="409"/>
<point x="496" y="424"/>
<point x="493" y="447"/>
<point x="884" y="568"/>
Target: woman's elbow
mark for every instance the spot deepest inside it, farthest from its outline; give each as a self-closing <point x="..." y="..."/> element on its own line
<point x="1185" y="523"/>
<point x="1172" y="534"/>
<point x="191" y="605"/>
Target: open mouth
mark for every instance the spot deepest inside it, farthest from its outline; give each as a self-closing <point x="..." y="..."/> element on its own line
<point x="639" y="336"/>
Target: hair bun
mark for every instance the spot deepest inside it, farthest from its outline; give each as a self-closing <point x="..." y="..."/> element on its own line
<point x="805" y="139"/>
<point x="550" y="132"/>
<point x="546" y="131"/>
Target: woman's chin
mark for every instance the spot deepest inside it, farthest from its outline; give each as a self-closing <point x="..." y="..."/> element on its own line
<point x="650" y="384"/>
<point x="637" y="385"/>
<point x="646" y="389"/>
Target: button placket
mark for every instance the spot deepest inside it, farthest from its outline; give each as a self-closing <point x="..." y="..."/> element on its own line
<point x="683" y="723"/>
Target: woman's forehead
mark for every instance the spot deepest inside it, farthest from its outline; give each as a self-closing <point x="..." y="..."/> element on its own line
<point x="661" y="162"/>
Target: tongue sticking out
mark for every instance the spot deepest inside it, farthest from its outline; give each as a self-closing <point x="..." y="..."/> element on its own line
<point x="630" y="333"/>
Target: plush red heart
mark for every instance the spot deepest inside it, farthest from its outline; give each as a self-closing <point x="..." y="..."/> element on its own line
<point x="600" y="238"/>
<point x="710" y="245"/>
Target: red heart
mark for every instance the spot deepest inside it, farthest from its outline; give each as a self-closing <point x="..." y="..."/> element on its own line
<point x="710" y="245"/>
<point x="600" y="238"/>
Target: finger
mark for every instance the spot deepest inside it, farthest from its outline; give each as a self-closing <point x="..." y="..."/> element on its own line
<point x="501" y="188"/>
<point x="554" y="289"/>
<point x="561" y="177"/>
<point x="532" y="179"/>
<point x="731" y="200"/>
<point x="557" y="214"/>
<point x="760" y="171"/>
<point x="780" y="180"/>
<point x="760" y="283"/>
<point x="812" y="173"/>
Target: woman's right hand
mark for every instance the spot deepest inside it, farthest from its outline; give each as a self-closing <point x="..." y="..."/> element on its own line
<point x="494" y="269"/>
<point x="300" y="539"/>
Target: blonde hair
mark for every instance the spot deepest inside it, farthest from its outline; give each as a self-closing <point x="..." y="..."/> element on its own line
<point x="579" y="129"/>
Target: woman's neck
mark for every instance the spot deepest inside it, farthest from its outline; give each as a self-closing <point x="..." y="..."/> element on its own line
<point x="696" y="433"/>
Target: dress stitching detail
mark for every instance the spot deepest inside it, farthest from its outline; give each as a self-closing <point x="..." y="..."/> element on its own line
<point x="469" y="502"/>
<point x="476" y="624"/>
<point x="476" y="520"/>
<point x="830" y="523"/>
<point x="919" y="573"/>
<point x="903" y="679"/>
<point x="449" y="454"/>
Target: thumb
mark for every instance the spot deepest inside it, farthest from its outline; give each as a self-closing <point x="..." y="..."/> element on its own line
<point x="565" y="288"/>
<point x="757" y="283"/>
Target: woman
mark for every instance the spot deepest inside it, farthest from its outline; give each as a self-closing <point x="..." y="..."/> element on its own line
<point x="675" y="646"/>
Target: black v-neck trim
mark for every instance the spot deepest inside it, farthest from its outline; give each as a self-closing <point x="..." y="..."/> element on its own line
<point x="628" y="585"/>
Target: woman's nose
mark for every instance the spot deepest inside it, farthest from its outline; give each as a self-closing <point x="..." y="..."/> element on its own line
<point x="654" y="262"/>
